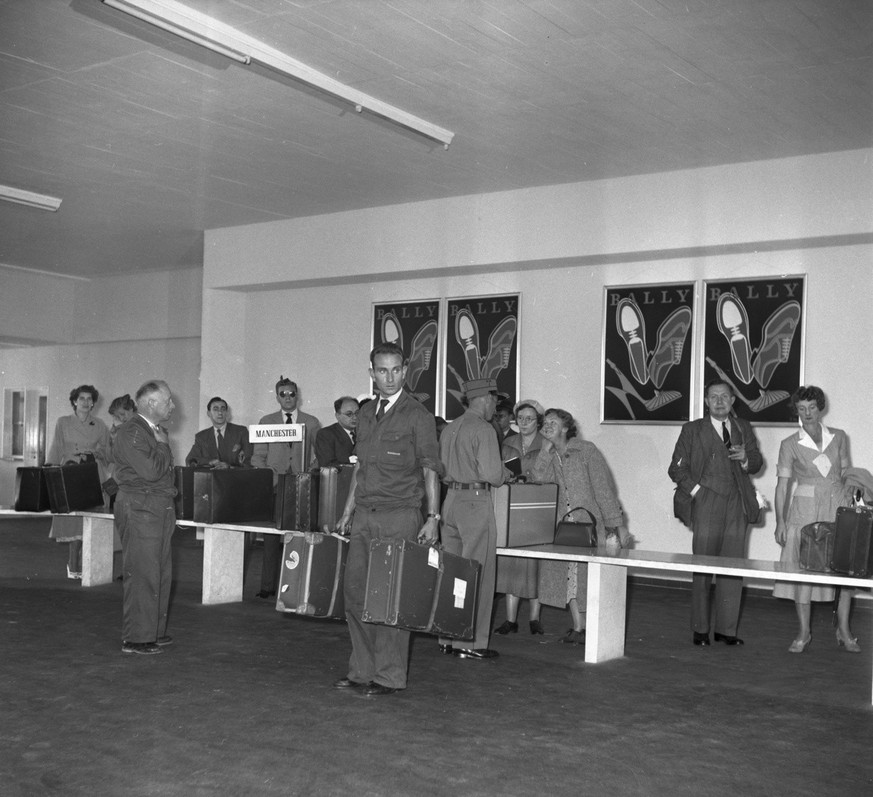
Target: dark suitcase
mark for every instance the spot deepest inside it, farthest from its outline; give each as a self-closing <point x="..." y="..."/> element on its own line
<point x="526" y="514"/>
<point x="31" y="491"/>
<point x="421" y="588"/>
<point x="817" y="546"/>
<point x="333" y="490"/>
<point x="311" y="579"/>
<point x="73" y="488"/>
<point x="183" y="478"/>
<point x="235" y="495"/>
<point x="297" y="501"/>
<point x="853" y="551"/>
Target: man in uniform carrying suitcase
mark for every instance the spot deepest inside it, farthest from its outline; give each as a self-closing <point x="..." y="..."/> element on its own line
<point x="398" y="465"/>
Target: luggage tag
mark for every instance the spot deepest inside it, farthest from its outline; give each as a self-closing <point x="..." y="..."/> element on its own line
<point x="459" y="593"/>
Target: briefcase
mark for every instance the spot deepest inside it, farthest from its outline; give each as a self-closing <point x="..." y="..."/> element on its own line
<point x="525" y="514"/>
<point x="311" y="579"/>
<point x="421" y="588"/>
<point x="817" y="546"/>
<point x="333" y="490"/>
<point x="297" y="501"/>
<point x="853" y="552"/>
<point x="31" y="491"/>
<point x="235" y="495"/>
<point x="73" y="488"/>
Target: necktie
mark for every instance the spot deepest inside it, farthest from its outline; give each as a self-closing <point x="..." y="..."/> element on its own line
<point x="289" y="418"/>
<point x="725" y="434"/>
<point x="354" y="437"/>
<point x="219" y="439"/>
<point x="381" y="411"/>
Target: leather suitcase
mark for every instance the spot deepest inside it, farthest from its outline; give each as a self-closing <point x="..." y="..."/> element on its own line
<point x="311" y="579"/>
<point x="183" y="478"/>
<point x="817" y="546"/>
<point x="526" y="514"/>
<point x="235" y="495"/>
<point x="31" y="491"/>
<point x="73" y="488"/>
<point x="297" y="501"/>
<point x="421" y="588"/>
<point x="853" y="550"/>
<point x="333" y="490"/>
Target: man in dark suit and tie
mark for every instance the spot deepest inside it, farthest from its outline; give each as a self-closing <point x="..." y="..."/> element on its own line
<point x="283" y="458"/>
<point x="336" y="443"/>
<point x="711" y="465"/>
<point x="224" y="444"/>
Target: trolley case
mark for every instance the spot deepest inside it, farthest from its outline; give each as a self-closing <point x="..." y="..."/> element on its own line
<point x="421" y="588"/>
<point x="31" y="491"/>
<point x="525" y="513"/>
<point x="311" y="580"/>
<point x="333" y="489"/>
<point x="817" y="546"/>
<point x="235" y="495"/>
<point x="73" y="488"/>
<point x="853" y="552"/>
<point x="297" y="501"/>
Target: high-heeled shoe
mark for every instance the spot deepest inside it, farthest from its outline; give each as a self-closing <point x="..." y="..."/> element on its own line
<point x="536" y="627"/>
<point x="849" y="643"/>
<point x="507" y="628"/>
<point x="73" y="574"/>
<point x="799" y="645"/>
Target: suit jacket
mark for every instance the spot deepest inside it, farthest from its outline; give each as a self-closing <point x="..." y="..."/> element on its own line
<point x="333" y="446"/>
<point x="698" y="443"/>
<point x="142" y="464"/>
<point x="236" y="442"/>
<point x="287" y="457"/>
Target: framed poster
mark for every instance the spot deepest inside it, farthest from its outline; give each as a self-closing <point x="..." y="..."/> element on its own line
<point x="647" y="358"/>
<point x="481" y="341"/>
<point x="754" y="340"/>
<point x="414" y="326"/>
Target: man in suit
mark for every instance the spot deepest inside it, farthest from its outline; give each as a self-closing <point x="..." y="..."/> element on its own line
<point x="145" y="518"/>
<point x="283" y="458"/>
<point x="335" y="444"/>
<point x="712" y="461"/>
<point x="224" y="444"/>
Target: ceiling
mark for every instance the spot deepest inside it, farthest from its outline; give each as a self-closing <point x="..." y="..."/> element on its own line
<point x="149" y="139"/>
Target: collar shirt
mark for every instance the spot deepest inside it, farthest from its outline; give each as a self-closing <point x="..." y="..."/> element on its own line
<point x="470" y="451"/>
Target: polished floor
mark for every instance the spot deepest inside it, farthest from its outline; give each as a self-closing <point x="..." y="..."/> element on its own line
<point x="242" y="703"/>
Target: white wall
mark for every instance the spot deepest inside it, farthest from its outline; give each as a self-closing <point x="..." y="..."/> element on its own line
<point x="309" y="314"/>
<point x="121" y="332"/>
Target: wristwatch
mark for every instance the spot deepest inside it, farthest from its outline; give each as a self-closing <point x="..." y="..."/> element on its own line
<point x="436" y="516"/>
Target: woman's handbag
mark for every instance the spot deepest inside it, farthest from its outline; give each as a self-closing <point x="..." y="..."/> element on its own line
<point x="576" y="533"/>
<point x="817" y="546"/>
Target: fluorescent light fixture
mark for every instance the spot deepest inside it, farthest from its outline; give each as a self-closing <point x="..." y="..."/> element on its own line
<point x="174" y="22"/>
<point x="202" y="29"/>
<point x="29" y="198"/>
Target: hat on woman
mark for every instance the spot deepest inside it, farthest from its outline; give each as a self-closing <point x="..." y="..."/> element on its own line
<point x="530" y="402"/>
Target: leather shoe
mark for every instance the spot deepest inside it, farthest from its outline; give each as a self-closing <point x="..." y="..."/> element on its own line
<point x="478" y="653"/>
<point x="728" y="640"/>
<point x="143" y="648"/>
<point x="701" y="639"/>
<point x="375" y="690"/>
<point x="348" y="683"/>
<point x="164" y="640"/>
<point x="266" y="593"/>
<point x="536" y="627"/>
<point x="446" y="650"/>
<point x="507" y="627"/>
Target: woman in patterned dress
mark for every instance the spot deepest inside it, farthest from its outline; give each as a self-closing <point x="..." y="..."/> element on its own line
<point x="813" y="459"/>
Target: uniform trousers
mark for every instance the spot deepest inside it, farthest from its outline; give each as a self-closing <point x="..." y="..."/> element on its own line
<point x="380" y="653"/>
<point x="720" y="529"/>
<point x="145" y="523"/>
<point x="469" y="530"/>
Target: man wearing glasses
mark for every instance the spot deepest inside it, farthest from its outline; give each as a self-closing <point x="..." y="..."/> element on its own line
<point x="335" y="444"/>
<point x="283" y="458"/>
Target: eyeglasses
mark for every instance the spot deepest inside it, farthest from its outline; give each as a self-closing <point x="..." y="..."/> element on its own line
<point x="288" y="394"/>
<point x="526" y="419"/>
<point x="350" y="414"/>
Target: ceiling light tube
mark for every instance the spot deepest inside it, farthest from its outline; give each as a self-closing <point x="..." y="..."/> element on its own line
<point x="192" y="36"/>
<point x="29" y="198"/>
<point x="202" y="29"/>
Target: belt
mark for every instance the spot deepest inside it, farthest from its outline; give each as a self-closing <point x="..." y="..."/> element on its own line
<point x="469" y="486"/>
